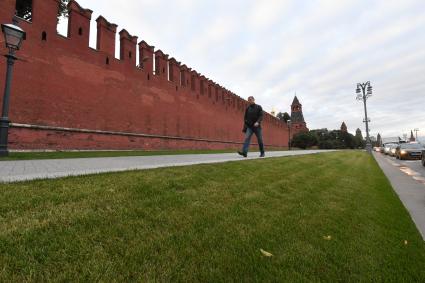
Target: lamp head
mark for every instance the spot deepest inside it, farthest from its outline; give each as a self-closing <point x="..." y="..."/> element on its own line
<point x="13" y="36"/>
<point x="369" y="90"/>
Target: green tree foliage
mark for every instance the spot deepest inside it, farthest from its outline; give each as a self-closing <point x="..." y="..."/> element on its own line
<point x="283" y="116"/>
<point x="24" y="9"/>
<point x="63" y="10"/>
<point x="326" y="139"/>
<point x="358" y="139"/>
<point x="304" y="140"/>
<point x="347" y="140"/>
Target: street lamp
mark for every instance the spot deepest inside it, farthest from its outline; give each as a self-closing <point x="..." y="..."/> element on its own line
<point x="289" y="129"/>
<point x="364" y="91"/>
<point x="14" y="36"/>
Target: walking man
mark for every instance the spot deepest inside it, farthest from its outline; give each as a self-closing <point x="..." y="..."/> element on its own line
<point x="252" y="125"/>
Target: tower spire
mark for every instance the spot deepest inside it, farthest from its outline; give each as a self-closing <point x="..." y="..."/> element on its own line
<point x="412" y="138"/>
<point x="344" y="127"/>
<point x="297" y="111"/>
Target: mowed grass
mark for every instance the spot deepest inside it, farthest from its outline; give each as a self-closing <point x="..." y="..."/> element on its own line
<point x="207" y="223"/>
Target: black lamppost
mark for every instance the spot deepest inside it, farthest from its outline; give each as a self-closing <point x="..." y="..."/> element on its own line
<point x="289" y="129"/>
<point x="14" y="36"/>
<point x="364" y="91"/>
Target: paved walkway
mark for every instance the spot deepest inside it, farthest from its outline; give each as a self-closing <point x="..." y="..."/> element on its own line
<point x="24" y="170"/>
<point x="410" y="190"/>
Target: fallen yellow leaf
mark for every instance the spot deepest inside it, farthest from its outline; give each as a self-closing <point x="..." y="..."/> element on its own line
<point x="265" y="253"/>
<point x="405" y="242"/>
<point x="327" y="237"/>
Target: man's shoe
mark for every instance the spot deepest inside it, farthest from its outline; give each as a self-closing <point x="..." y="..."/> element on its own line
<point x="242" y="153"/>
<point x="262" y="155"/>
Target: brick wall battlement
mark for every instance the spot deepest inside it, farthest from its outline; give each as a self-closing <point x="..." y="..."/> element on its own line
<point x="61" y="82"/>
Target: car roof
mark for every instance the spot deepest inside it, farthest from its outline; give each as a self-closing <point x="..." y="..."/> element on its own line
<point x="413" y="145"/>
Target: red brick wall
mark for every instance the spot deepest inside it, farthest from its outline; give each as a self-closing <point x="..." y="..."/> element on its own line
<point x="62" y="82"/>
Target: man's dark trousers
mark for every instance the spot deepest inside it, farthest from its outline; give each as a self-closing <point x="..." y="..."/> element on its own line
<point x="258" y="133"/>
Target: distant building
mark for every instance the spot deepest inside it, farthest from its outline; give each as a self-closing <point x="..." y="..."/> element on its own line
<point x="297" y="118"/>
<point x="359" y="133"/>
<point x="412" y="138"/>
<point x="343" y="127"/>
<point x="379" y="140"/>
<point x="390" y="140"/>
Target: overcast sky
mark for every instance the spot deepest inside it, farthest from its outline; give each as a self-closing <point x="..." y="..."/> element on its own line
<point x="319" y="49"/>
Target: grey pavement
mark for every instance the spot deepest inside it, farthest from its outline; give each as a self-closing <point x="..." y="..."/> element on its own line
<point x="25" y="170"/>
<point x="408" y="181"/>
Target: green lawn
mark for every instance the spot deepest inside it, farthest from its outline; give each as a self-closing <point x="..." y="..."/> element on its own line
<point x="207" y="223"/>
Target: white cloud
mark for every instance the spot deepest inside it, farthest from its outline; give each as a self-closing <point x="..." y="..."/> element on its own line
<point x="264" y="14"/>
<point x="272" y="48"/>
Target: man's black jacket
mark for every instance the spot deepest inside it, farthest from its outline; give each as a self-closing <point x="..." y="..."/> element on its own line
<point x="253" y="113"/>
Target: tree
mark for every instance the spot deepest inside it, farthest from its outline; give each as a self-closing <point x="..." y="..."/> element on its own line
<point x="283" y="116"/>
<point x="358" y="139"/>
<point x="348" y="140"/>
<point x="63" y="9"/>
<point x="304" y="140"/>
<point x="335" y="139"/>
<point x="24" y="9"/>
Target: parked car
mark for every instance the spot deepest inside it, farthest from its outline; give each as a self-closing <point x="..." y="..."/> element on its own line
<point x="423" y="158"/>
<point x="409" y="151"/>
